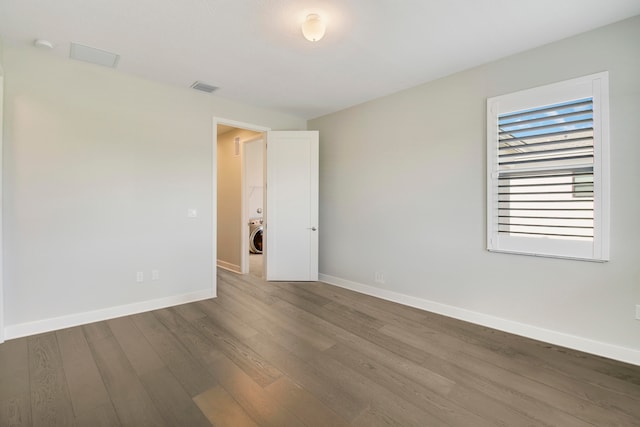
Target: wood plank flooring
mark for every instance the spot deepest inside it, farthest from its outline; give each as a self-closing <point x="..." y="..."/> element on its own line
<point x="304" y="354"/>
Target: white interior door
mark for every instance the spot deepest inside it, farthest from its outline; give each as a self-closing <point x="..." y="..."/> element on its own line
<point x="291" y="221"/>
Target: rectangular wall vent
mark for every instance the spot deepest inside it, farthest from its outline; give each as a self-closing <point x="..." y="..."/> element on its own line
<point x="203" y="87"/>
<point x="93" y="55"/>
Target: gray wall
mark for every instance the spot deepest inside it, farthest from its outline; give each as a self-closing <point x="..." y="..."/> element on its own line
<point x="100" y="168"/>
<point x="403" y="193"/>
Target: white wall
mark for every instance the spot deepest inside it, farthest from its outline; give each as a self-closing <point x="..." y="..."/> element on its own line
<point x="402" y="183"/>
<point x="100" y="168"/>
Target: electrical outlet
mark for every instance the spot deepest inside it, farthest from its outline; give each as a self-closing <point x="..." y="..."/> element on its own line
<point x="638" y="311"/>
<point x="139" y="277"/>
<point x="155" y="275"/>
<point x="378" y="277"/>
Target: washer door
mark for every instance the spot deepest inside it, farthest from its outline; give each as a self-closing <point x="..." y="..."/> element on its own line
<point x="255" y="240"/>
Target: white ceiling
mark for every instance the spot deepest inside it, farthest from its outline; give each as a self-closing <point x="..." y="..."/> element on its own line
<point x="254" y="51"/>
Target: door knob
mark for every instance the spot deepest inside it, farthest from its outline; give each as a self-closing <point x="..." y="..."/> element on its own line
<point x="312" y="228"/>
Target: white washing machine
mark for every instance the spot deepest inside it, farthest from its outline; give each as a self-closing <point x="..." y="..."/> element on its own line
<point x="255" y="235"/>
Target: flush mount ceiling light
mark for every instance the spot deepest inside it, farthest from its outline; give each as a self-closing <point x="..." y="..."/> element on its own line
<point x="313" y="27"/>
<point x="43" y="44"/>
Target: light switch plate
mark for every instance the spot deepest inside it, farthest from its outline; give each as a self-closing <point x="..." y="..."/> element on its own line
<point x="192" y="213"/>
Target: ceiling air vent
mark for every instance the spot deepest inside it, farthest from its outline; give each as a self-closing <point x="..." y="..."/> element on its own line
<point x="95" y="56"/>
<point x="203" y="87"/>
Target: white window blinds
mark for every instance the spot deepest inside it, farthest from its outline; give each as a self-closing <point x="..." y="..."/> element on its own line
<point x="545" y="171"/>
<point x="548" y="170"/>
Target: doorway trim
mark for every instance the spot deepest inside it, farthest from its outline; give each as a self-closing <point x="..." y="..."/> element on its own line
<point x="214" y="199"/>
<point x="1" y="211"/>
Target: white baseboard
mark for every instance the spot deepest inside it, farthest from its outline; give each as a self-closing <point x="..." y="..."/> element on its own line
<point x="611" y="351"/>
<point x="228" y="266"/>
<point x="62" y="322"/>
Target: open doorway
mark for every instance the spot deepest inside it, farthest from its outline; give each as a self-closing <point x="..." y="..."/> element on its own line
<point x="253" y="174"/>
<point x="290" y="248"/>
<point x="239" y="195"/>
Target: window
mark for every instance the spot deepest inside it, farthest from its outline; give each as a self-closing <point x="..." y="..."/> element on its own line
<point x="547" y="185"/>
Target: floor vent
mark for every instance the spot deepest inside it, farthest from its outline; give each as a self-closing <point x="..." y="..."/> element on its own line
<point x="203" y="87"/>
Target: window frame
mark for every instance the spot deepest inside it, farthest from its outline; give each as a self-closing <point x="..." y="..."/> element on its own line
<point x="595" y="86"/>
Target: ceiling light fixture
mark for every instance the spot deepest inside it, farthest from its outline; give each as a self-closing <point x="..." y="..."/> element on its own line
<point x="313" y="28"/>
<point x="43" y="44"/>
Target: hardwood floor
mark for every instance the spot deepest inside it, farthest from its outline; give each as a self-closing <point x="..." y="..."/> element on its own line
<point x="304" y="354"/>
